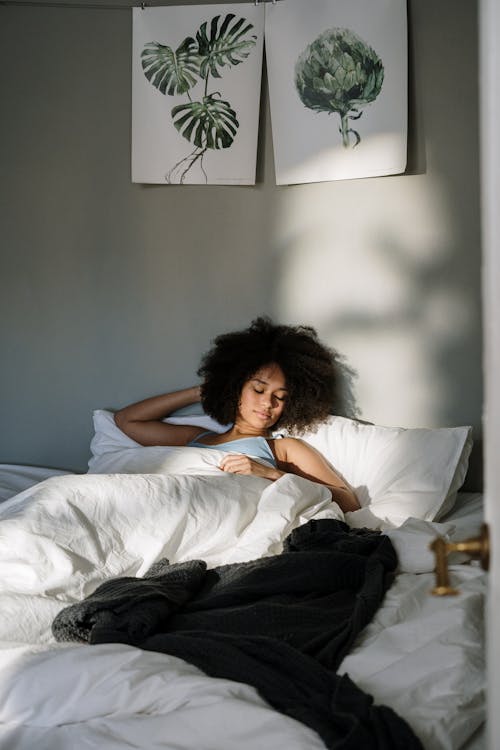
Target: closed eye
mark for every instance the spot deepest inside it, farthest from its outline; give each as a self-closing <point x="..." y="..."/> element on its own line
<point x="278" y="398"/>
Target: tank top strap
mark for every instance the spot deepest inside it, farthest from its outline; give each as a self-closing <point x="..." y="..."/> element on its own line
<point x="202" y="434"/>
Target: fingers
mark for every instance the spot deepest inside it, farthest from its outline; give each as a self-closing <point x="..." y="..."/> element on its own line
<point x="236" y="463"/>
<point x="239" y="463"/>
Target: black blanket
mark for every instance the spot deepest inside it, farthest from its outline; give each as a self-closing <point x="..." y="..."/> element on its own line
<point x="282" y="624"/>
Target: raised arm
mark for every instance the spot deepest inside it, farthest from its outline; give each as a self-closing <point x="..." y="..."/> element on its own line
<point x="143" y="421"/>
<point x="297" y="457"/>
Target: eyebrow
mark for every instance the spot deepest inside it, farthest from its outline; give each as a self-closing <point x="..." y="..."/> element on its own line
<point x="265" y="382"/>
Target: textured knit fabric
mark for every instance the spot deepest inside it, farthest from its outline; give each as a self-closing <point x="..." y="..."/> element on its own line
<point x="282" y="624"/>
<point x="257" y="447"/>
<point x="131" y="608"/>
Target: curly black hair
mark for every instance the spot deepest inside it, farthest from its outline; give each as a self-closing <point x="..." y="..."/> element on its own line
<point x="310" y="368"/>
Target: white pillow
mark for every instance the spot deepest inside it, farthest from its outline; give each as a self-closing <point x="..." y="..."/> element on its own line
<point x="108" y="437"/>
<point x="397" y="473"/>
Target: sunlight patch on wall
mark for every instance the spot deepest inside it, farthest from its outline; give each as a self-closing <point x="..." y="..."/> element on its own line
<point x="369" y="265"/>
<point x="379" y="155"/>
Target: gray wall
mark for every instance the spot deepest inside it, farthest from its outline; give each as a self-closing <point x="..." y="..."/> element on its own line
<point x="110" y="291"/>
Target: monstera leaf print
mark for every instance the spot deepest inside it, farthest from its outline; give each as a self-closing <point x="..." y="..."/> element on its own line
<point x="209" y="123"/>
<point x="172" y="72"/>
<point x="224" y="45"/>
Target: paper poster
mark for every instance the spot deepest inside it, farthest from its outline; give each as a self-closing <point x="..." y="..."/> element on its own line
<point x="338" y="88"/>
<point x="196" y="77"/>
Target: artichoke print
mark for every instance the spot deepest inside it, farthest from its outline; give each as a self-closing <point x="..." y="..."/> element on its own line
<point x="207" y="122"/>
<point x="339" y="72"/>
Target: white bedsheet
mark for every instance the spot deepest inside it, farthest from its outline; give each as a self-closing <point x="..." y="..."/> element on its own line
<point x="115" y="696"/>
<point x="15" y="478"/>
<point x="424" y="656"/>
<point x="61" y="538"/>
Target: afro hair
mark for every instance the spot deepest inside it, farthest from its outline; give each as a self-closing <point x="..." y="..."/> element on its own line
<point x="311" y="371"/>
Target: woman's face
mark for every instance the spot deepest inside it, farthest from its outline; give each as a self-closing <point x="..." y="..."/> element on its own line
<point x="262" y="399"/>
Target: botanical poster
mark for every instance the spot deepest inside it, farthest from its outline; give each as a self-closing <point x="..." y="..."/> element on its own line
<point x="337" y="74"/>
<point x="195" y="93"/>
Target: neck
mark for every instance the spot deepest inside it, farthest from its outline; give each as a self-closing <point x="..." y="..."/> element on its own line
<point x="239" y="430"/>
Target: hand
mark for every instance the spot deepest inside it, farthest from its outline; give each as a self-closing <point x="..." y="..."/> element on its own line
<point x="239" y="463"/>
<point x="196" y="389"/>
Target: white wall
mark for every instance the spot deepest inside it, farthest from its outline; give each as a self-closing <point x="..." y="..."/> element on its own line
<point x="111" y="291"/>
<point x="490" y="191"/>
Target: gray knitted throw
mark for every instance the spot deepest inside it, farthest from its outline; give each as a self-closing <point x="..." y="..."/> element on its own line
<point x="282" y="624"/>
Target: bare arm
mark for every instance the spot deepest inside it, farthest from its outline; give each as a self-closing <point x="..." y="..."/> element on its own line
<point x="297" y="457"/>
<point x="142" y="421"/>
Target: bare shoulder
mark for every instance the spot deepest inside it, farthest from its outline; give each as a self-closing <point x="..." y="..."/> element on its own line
<point x="289" y="448"/>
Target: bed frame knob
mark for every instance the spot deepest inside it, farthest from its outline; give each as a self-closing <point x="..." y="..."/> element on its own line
<point x="477" y="547"/>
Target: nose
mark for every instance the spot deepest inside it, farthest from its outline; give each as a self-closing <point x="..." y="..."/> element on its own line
<point x="267" y="401"/>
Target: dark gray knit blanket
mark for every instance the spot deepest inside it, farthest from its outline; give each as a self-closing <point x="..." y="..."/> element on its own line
<point x="282" y="624"/>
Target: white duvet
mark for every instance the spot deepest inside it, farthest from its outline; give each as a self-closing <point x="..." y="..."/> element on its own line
<point x="61" y="538"/>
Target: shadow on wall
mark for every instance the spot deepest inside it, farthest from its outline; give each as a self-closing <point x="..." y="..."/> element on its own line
<point x="380" y="275"/>
<point x="346" y="405"/>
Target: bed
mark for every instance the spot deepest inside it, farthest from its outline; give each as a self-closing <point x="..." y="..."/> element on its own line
<point x="62" y="536"/>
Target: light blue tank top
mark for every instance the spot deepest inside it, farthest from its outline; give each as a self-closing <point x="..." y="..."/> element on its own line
<point x="258" y="447"/>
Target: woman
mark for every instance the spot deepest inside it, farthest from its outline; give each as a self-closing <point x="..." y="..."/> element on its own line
<point x="258" y="380"/>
